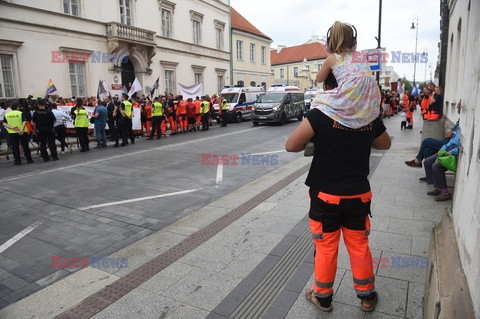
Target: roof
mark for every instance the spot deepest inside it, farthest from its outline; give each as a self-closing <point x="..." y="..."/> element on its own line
<point x="309" y="51"/>
<point x="242" y="24"/>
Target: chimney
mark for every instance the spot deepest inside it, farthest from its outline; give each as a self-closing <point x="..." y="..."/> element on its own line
<point x="280" y="47"/>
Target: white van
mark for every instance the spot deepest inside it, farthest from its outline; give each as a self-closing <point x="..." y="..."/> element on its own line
<point x="278" y="105"/>
<point x="240" y="101"/>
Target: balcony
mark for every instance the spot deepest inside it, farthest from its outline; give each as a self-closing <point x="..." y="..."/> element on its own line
<point x="127" y="33"/>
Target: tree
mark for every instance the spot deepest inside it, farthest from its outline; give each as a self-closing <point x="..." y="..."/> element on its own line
<point x="407" y="84"/>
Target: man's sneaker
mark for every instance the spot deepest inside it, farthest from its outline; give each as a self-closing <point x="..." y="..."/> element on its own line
<point x="443" y="197"/>
<point x="422" y="179"/>
<point x="62" y="152"/>
<point x="17" y="163"/>
<point x="413" y="163"/>
<point x="29" y="161"/>
<point x="435" y="192"/>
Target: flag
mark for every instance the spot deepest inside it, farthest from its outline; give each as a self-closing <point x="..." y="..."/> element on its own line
<point x="154" y="87"/>
<point x="400" y="89"/>
<point x="102" y="91"/>
<point x="50" y="88"/>
<point x="415" y="90"/>
<point x="136" y="86"/>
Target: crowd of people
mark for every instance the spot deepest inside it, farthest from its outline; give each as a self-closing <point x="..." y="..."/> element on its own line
<point x="430" y="101"/>
<point x="39" y="121"/>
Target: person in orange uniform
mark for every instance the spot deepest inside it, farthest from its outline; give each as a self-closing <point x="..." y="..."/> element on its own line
<point x="191" y="115"/>
<point x="435" y="110"/>
<point x="148" y="117"/>
<point x="182" y="114"/>
<point x="425" y="102"/>
<point x="172" y="113"/>
<point x="198" y="111"/>
<point x="340" y="193"/>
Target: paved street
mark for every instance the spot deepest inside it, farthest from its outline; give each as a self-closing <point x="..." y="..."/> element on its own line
<point x="64" y="196"/>
<point x="239" y="249"/>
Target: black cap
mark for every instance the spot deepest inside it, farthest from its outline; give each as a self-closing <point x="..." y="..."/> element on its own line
<point x="41" y="102"/>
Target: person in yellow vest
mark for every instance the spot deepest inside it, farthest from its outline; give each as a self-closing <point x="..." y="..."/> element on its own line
<point x="81" y="124"/>
<point x="15" y="123"/>
<point x="224" y="108"/>
<point x="157" y="119"/>
<point x="205" y="110"/>
<point x="128" y="108"/>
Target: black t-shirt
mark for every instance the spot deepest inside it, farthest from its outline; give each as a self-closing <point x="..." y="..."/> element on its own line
<point x="44" y="118"/>
<point x="438" y="105"/>
<point x="340" y="163"/>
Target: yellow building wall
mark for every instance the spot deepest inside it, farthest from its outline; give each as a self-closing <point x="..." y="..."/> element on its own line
<point x="245" y="70"/>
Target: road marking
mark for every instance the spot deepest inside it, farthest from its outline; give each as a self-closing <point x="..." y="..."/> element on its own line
<point x="376" y="154"/>
<point x="138" y="199"/>
<point x="18" y="236"/>
<point x="8" y="179"/>
<point x="272" y="152"/>
<point x="219" y="173"/>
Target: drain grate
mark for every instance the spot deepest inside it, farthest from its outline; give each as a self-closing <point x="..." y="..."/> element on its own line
<point x="111" y="293"/>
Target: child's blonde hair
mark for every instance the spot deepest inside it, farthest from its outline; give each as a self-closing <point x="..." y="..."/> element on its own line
<point x="341" y="38"/>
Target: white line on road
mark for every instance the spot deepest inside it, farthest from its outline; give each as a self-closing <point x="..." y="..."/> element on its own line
<point x="376" y="154"/>
<point x="272" y="152"/>
<point x="7" y="179"/>
<point x="18" y="236"/>
<point x="138" y="199"/>
<point x="219" y="173"/>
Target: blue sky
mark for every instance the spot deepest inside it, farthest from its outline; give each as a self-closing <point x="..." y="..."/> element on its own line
<point x="293" y="22"/>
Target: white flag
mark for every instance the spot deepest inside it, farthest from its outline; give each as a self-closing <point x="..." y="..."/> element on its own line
<point x="136" y="86"/>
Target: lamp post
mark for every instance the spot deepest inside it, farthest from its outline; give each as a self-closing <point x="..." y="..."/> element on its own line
<point x="415" y="17"/>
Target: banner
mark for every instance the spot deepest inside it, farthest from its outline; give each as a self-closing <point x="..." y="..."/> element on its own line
<point x="136" y="121"/>
<point x="190" y="91"/>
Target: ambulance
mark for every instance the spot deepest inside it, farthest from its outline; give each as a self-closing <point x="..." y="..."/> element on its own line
<point x="240" y="101"/>
<point x="278" y="105"/>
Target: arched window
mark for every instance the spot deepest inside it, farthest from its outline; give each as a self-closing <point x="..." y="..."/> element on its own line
<point x="240" y="83"/>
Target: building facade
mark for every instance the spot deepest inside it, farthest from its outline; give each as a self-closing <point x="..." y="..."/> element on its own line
<point x="76" y="43"/>
<point x="298" y="65"/>
<point x="462" y="95"/>
<point x="250" y="53"/>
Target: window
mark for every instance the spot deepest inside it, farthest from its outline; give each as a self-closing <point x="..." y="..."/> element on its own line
<point x="71" y="7"/>
<point x="264" y="85"/>
<point x="263" y="55"/>
<point x="219" y="29"/>
<point x="221" y="83"/>
<point x="197" y="19"/>
<point x="272" y="72"/>
<point x="169" y="81"/>
<point x="295" y="71"/>
<point x="282" y="73"/>
<point x="253" y="56"/>
<point x="198" y="78"/>
<point x="240" y="83"/>
<point x="253" y="83"/>
<point x="196" y="32"/>
<point x="166" y="23"/>
<point x="219" y="36"/>
<point x="125" y="12"/>
<point x="239" y="50"/>
<point x="77" y="78"/>
<point x="6" y="77"/>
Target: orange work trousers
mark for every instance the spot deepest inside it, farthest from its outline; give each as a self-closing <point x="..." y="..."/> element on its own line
<point x="173" y="124"/>
<point x="329" y="216"/>
<point x="183" y="122"/>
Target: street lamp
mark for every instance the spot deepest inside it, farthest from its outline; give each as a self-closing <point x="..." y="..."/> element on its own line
<point x="415" y="17"/>
<point x="425" y="54"/>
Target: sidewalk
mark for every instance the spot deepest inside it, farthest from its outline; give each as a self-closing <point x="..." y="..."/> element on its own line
<point x="249" y="254"/>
